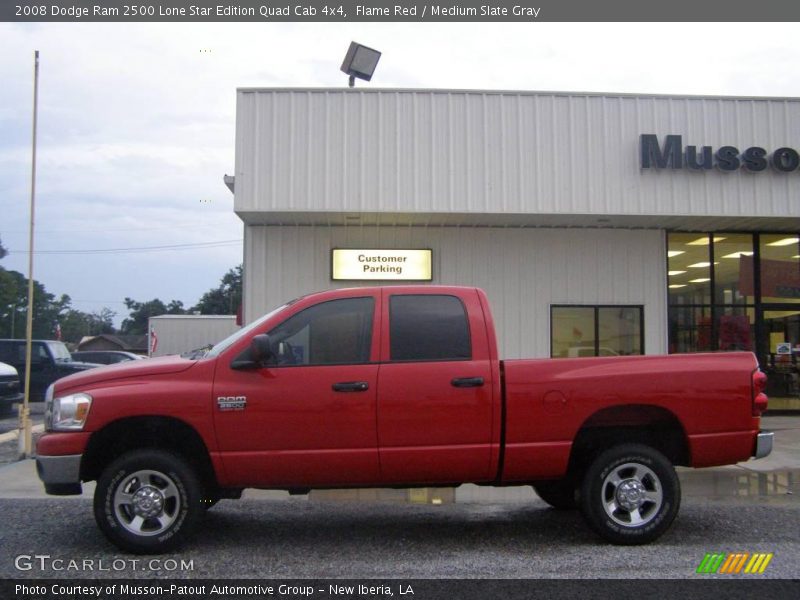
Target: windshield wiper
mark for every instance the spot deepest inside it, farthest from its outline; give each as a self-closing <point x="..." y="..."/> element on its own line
<point x="197" y="352"/>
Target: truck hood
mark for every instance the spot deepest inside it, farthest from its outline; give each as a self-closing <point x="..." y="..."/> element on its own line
<point x="125" y="370"/>
<point x="7" y="370"/>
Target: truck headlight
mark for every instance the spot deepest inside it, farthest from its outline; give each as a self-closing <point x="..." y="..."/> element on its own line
<point x="68" y="413"/>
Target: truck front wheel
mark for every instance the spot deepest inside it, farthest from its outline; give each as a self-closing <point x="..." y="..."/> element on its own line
<point x="146" y="501"/>
<point x="630" y="494"/>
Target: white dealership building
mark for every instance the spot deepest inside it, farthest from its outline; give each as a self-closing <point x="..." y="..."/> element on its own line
<point x="596" y="223"/>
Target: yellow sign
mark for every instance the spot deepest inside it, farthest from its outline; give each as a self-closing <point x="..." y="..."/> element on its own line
<point x="381" y="265"/>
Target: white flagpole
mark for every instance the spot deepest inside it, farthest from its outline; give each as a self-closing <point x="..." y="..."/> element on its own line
<point x="25" y="445"/>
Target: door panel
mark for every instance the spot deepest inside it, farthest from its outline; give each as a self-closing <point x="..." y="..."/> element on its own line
<point x="308" y="418"/>
<point x="295" y="429"/>
<point x="435" y="415"/>
<point x="430" y="430"/>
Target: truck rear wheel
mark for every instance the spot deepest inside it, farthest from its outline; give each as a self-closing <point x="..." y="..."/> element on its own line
<point x="630" y="494"/>
<point x="146" y="501"/>
<point x="558" y="493"/>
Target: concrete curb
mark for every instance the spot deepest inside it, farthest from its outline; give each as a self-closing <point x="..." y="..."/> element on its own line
<point x="13" y="435"/>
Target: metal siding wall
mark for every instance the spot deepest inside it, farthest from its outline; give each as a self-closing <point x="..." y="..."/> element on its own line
<point x="522" y="270"/>
<point x="179" y="334"/>
<point x="507" y="153"/>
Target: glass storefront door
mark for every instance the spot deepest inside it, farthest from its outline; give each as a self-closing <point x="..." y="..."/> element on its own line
<point x="779" y="352"/>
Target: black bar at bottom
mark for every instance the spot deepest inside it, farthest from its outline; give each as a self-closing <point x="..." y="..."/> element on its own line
<point x="734" y="587"/>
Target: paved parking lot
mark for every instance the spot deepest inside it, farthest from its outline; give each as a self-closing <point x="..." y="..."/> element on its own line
<point x="482" y="533"/>
<point x="299" y="538"/>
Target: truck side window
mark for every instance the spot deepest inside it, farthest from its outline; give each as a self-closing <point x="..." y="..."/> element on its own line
<point x="329" y="333"/>
<point x="428" y="327"/>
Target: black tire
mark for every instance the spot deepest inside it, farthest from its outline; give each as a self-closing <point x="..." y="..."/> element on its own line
<point x="559" y="493"/>
<point x="147" y="501"/>
<point x="644" y="508"/>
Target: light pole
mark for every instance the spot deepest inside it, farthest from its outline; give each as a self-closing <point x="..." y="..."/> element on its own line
<point x="13" y="315"/>
<point x="24" y="410"/>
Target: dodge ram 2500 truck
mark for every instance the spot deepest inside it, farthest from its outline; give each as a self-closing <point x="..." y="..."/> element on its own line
<point x="398" y="387"/>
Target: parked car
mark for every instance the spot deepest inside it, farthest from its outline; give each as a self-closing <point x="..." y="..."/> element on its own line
<point x="392" y="387"/>
<point x="105" y="357"/>
<point x="50" y="361"/>
<point x="10" y="389"/>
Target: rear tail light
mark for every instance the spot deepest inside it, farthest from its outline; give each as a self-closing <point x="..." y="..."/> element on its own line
<point x="759" y="397"/>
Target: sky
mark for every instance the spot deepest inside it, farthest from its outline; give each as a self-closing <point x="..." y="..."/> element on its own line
<point x="137" y="121"/>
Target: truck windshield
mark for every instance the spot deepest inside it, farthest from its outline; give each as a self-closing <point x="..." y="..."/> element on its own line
<point x="59" y="352"/>
<point x="220" y="347"/>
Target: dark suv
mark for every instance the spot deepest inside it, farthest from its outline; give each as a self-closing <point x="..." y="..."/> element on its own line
<point x="50" y="360"/>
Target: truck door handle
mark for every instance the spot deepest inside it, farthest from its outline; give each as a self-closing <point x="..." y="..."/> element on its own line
<point x="467" y="382"/>
<point x="351" y="386"/>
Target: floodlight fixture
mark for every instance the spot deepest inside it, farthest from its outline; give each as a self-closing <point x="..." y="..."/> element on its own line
<point x="360" y="62"/>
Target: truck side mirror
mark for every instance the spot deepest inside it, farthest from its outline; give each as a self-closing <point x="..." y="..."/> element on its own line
<point x="256" y="356"/>
<point x="261" y="348"/>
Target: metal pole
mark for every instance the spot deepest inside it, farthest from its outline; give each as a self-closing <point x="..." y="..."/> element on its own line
<point x="25" y="446"/>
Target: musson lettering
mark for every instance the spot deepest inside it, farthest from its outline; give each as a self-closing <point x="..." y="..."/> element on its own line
<point x="726" y="158"/>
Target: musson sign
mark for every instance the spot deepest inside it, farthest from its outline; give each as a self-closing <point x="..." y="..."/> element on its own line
<point x="725" y="158"/>
<point x="380" y="265"/>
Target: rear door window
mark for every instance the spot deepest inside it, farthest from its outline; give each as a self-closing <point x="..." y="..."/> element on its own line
<point x="428" y="327"/>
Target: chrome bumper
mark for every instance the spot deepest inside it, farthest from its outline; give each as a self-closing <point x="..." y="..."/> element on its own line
<point x="61" y="475"/>
<point x="763" y="444"/>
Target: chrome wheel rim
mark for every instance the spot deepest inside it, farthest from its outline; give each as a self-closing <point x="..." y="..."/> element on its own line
<point x="632" y="494"/>
<point x="147" y="502"/>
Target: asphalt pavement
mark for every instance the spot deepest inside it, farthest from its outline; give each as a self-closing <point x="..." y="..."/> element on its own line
<point x="299" y="538"/>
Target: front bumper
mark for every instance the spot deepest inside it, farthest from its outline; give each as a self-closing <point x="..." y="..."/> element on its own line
<point x="12" y="399"/>
<point x="763" y="444"/>
<point x="61" y="475"/>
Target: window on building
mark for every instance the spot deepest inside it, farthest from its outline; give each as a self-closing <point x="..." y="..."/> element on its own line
<point x="428" y="327"/>
<point x="329" y="333"/>
<point x="780" y="268"/>
<point x="689" y="269"/>
<point x="711" y="291"/>
<point x="577" y="331"/>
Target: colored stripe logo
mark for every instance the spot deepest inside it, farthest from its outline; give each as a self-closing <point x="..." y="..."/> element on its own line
<point x="734" y="563"/>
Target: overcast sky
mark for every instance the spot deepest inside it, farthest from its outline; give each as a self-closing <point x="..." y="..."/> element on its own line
<point x="136" y="122"/>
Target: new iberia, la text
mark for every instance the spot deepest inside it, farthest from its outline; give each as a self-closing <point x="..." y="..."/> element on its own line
<point x="258" y="590"/>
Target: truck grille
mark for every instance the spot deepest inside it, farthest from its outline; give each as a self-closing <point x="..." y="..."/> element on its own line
<point x="8" y="385"/>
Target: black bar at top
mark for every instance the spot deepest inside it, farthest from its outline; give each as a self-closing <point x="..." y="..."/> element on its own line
<point x="519" y="11"/>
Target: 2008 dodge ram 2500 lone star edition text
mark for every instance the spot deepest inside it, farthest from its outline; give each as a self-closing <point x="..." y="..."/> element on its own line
<point x="394" y="387"/>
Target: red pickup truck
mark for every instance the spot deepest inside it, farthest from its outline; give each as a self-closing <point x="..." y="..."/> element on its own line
<point x="396" y="387"/>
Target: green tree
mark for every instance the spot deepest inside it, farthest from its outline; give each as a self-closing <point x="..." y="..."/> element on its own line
<point x="140" y="313"/>
<point x="224" y="299"/>
<point x="75" y="324"/>
<point x="14" y="307"/>
<point x="47" y="311"/>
